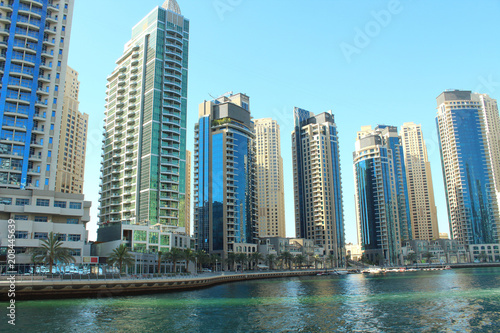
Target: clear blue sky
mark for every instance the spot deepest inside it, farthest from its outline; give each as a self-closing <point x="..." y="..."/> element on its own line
<point x="286" y="53"/>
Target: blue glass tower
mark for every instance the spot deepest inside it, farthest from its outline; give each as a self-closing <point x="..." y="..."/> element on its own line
<point x="225" y="213"/>
<point x="33" y="57"/>
<point x="382" y="208"/>
<point x="467" y="171"/>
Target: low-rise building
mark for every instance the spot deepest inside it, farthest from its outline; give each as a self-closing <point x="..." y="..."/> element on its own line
<point x="437" y="251"/>
<point x="484" y="252"/>
<point x="37" y="213"/>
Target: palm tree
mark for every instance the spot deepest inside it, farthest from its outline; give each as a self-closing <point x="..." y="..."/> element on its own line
<point x="189" y="255"/>
<point x="161" y="257"/>
<point x="331" y="259"/>
<point x="201" y="258"/>
<point x="299" y="260"/>
<point x="174" y="255"/>
<point x="51" y="251"/>
<point x="121" y="256"/>
<point x="286" y="257"/>
<point x="317" y="260"/>
<point x="212" y="260"/>
<point x="411" y="257"/>
<point x="270" y="260"/>
<point x="242" y="258"/>
<point x="482" y="257"/>
<point x="428" y="256"/>
<point x="232" y="257"/>
<point x="255" y="258"/>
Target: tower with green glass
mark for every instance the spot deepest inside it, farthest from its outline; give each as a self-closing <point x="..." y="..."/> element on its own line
<point x="144" y="148"/>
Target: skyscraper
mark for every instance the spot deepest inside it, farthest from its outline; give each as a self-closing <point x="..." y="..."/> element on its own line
<point x="188" y="193"/>
<point x="144" y="151"/>
<point x="492" y="129"/>
<point x="33" y="58"/>
<point x="319" y="211"/>
<point x="382" y="211"/>
<point x="225" y="202"/>
<point x="73" y="138"/>
<point x="467" y="170"/>
<point x="270" y="191"/>
<point x="423" y="213"/>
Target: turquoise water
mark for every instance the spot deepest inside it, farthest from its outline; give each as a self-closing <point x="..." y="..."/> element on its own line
<point x="462" y="300"/>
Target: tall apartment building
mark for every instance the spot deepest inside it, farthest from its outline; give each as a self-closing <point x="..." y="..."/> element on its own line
<point x="319" y="211"/>
<point x="492" y="127"/>
<point x="144" y="145"/>
<point x="188" y="193"/>
<point x="73" y="139"/>
<point x="423" y="212"/>
<point x="34" y="47"/>
<point x="225" y="197"/>
<point x="270" y="188"/>
<point x="382" y="211"/>
<point x="33" y="58"/>
<point x="467" y="171"/>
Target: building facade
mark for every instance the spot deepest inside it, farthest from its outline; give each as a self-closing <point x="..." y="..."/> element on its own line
<point x="467" y="170"/>
<point x="187" y="224"/>
<point x="319" y="211"/>
<point x="37" y="213"/>
<point x="382" y="211"/>
<point x="33" y="58"/>
<point x="144" y="144"/>
<point x="225" y="197"/>
<point x="270" y="188"/>
<point x="423" y="213"/>
<point x="73" y="139"/>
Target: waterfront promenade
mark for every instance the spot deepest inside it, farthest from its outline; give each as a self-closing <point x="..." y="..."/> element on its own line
<point x="39" y="287"/>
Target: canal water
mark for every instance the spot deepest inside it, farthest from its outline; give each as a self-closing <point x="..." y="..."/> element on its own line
<point x="459" y="300"/>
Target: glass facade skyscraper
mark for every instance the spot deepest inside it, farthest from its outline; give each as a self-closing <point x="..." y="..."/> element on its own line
<point x="144" y="151"/>
<point x="319" y="211"/>
<point x="467" y="170"/>
<point x="225" y="202"/>
<point x="382" y="210"/>
<point x="33" y="57"/>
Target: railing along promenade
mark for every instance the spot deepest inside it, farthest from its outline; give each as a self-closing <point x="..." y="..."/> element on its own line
<point x="64" y="286"/>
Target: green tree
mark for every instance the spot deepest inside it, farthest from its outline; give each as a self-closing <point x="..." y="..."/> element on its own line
<point x="121" y="256"/>
<point x="188" y="255"/>
<point x="213" y="259"/>
<point x="270" y="260"/>
<point x="428" y="256"/>
<point x="255" y="258"/>
<point x="299" y="260"/>
<point x="317" y="260"/>
<point x="482" y="257"/>
<point x="161" y="257"/>
<point x="201" y="258"/>
<point x="51" y="251"/>
<point x="232" y="258"/>
<point x="174" y="255"/>
<point x="286" y="258"/>
<point x="331" y="259"/>
<point x="242" y="258"/>
<point x="411" y="257"/>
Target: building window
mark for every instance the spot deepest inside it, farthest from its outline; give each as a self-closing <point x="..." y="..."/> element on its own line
<point x="21" y="234"/>
<point x="21" y="217"/>
<point x="6" y="201"/>
<point x="61" y="237"/>
<point x="42" y="202"/>
<point x="73" y="237"/>
<point x="60" y="204"/>
<point x="22" y="202"/>
<point x="41" y="219"/>
<point x="75" y="252"/>
<point x="40" y="235"/>
<point x="75" y="205"/>
<point x="71" y="221"/>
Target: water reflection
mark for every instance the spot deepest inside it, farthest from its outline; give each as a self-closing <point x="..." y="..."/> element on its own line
<point x="456" y="301"/>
